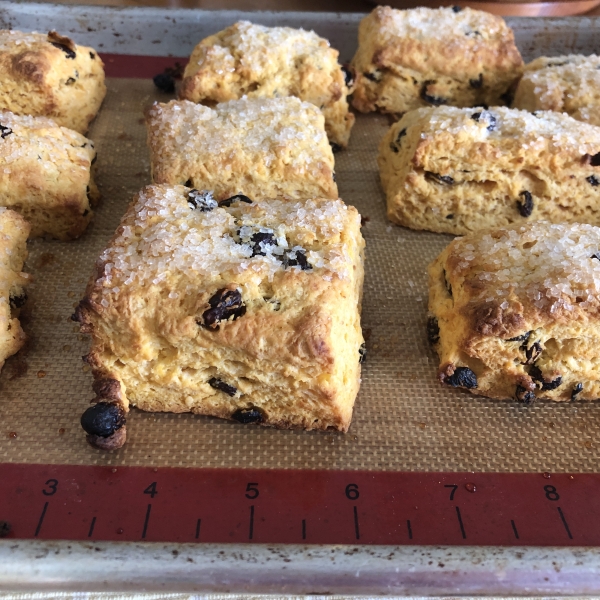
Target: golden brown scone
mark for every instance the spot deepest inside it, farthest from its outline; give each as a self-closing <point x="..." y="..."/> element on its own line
<point x="269" y="62"/>
<point x="50" y="76"/>
<point x="13" y="252"/>
<point x="568" y="84"/>
<point x="46" y="175"/>
<point x="516" y="312"/>
<point x="247" y="311"/>
<point x="259" y="147"/>
<point x="458" y="170"/>
<point x="423" y="57"/>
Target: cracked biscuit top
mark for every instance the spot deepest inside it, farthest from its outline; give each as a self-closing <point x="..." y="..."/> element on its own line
<point x="259" y="147"/>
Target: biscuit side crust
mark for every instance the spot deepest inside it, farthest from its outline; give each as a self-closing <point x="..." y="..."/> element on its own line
<point x="47" y="175"/>
<point x="520" y="308"/>
<point x="259" y="147"/>
<point x="456" y="171"/>
<point x="51" y="76"/>
<point x="293" y="353"/>
<point x="568" y="84"/>
<point x="268" y="62"/>
<point x="13" y="252"/>
<point x="422" y="56"/>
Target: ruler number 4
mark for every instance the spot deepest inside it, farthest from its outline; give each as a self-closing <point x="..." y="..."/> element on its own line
<point x="151" y="490"/>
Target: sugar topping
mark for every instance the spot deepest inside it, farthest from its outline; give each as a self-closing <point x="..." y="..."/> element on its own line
<point x="440" y="24"/>
<point x="553" y="132"/>
<point x="10" y="38"/>
<point x="264" y="129"/>
<point x="163" y="236"/>
<point x="555" y="267"/>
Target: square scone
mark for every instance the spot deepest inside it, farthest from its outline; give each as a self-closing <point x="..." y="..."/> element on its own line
<point x="257" y="147"/>
<point x="569" y="84"/>
<point x="13" y="252"/>
<point x="47" y="175"/>
<point x="429" y="57"/>
<point x="460" y="170"/>
<point x="269" y="62"/>
<point x="244" y="311"/>
<point x="515" y="312"/>
<point x="50" y="76"/>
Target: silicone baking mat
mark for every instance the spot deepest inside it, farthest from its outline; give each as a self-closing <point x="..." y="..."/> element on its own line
<point x="403" y="419"/>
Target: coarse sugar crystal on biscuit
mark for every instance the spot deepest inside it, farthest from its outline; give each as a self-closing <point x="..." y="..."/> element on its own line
<point x="245" y="311"/>
<point x="515" y="312"/>
<point x="430" y="57"/>
<point x="46" y="175"/>
<point x="569" y="84"/>
<point x="252" y="60"/>
<point x="258" y="147"/>
<point x="13" y="252"/>
<point x="458" y="170"/>
<point x="51" y="76"/>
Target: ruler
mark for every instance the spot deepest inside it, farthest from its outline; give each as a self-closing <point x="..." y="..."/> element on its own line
<point x="66" y="502"/>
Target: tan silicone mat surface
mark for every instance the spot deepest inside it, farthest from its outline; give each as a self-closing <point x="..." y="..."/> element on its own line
<point x="403" y="419"/>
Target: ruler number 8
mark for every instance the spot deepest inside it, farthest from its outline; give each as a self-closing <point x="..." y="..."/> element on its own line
<point x="352" y="492"/>
<point x="551" y="492"/>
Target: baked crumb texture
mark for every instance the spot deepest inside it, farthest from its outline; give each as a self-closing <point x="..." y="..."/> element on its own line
<point x="269" y="62"/>
<point x="429" y="57"/>
<point x="46" y="175"/>
<point x="13" y="252"/>
<point x="247" y="311"/>
<point x="454" y="170"/>
<point x="259" y="147"/>
<point x="568" y="84"/>
<point x="515" y="312"/>
<point x="51" y="76"/>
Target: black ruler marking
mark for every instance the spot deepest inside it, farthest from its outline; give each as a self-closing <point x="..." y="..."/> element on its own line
<point x="92" y="525"/>
<point x="251" y="532"/>
<point x="356" y="529"/>
<point x="564" y="521"/>
<point x="408" y="526"/>
<point x="39" y="525"/>
<point x="198" y="528"/>
<point x="146" y="520"/>
<point x="460" y="522"/>
<point x="514" y="527"/>
<point x="303" y="529"/>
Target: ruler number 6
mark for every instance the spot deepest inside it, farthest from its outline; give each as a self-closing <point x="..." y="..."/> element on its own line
<point x="252" y="491"/>
<point x="53" y="485"/>
<point x="352" y="492"/>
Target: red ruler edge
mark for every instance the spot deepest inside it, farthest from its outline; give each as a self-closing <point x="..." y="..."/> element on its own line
<point x="138" y="66"/>
<point x="76" y="502"/>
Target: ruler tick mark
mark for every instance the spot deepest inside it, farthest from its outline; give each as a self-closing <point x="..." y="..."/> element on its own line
<point x="39" y="526"/>
<point x="251" y="532"/>
<point x="564" y="521"/>
<point x="460" y="522"/>
<point x="303" y="529"/>
<point x="198" y="528"/>
<point x="514" y="528"/>
<point x="146" y="521"/>
<point x="92" y="525"/>
<point x="408" y="526"/>
<point x="356" y="530"/>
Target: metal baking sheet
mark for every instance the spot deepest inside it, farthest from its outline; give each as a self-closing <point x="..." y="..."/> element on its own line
<point x="403" y="419"/>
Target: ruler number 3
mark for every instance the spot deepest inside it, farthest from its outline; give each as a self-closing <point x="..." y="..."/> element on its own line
<point x="53" y="485"/>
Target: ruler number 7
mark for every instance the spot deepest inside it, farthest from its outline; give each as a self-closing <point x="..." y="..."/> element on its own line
<point x="454" y="488"/>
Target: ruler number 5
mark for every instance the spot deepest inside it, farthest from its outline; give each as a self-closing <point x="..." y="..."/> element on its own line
<point x="252" y="491"/>
<point x="53" y="485"/>
<point x="352" y="492"/>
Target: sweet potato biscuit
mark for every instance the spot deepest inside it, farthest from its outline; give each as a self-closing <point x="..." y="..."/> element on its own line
<point x="515" y="312"/>
<point x="260" y="147"/>
<point x="247" y="311"/>
<point x="568" y="84"/>
<point x="50" y="76"/>
<point x="454" y="170"/>
<point x="13" y="252"/>
<point x="46" y="175"/>
<point x="423" y="57"/>
<point x="269" y="62"/>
